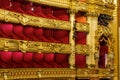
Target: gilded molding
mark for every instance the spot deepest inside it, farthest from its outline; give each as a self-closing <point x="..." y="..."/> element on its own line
<point x="29" y="73"/>
<point x="83" y="27"/>
<point x="99" y="9"/>
<point x="96" y="6"/>
<point x="31" y="46"/>
<point x="23" y="19"/>
<point x="82" y="49"/>
<point x="56" y="3"/>
<point x="89" y="73"/>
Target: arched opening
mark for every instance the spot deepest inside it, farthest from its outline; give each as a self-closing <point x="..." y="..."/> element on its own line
<point x="103" y="51"/>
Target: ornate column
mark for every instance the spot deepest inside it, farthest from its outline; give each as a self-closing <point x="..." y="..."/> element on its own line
<point x="72" y="12"/>
<point x="92" y="19"/>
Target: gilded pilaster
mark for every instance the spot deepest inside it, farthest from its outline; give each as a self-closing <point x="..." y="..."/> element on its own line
<point x="92" y="19"/>
<point x="72" y="12"/>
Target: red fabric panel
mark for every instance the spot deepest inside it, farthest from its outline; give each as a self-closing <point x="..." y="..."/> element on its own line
<point x="7" y="29"/>
<point x="61" y="58"/>
<point x="16" y="6"/>
<point x="38" y="57"/>
<point x="103" y="49"/>
<point x="61" y="14"/>
<point x="28" y="57"/>
<point x="17" y="57"/>
<point x="48" y="33"/>
<point x="5" y="4"/>
<point x="80" y="38"/>
<point x="18" y="30"/>
<point x="6" y="57"/>
<point x="27" y="8"/>
<point x="80" y="61"/>
<point x="61" y="35"/>
<point x="29" y="32"/>
<point x="49" y="57"/>
<point x="38" y="11"/>
<point x="48" y="12"/>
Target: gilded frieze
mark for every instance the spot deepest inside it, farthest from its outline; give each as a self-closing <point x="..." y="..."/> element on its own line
<point x="88" y="73"/>
<point x="82" y="49"/>
<point x="23" y="19"/>
<point x="31" y="46"/>
<point x="30" y="73"/>
<point x="96" y="6"/>
<point x="56" y="3"/>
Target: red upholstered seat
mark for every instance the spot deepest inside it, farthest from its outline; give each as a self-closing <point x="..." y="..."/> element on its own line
<point x="6" y="57"/>
<point x="80" y="61"/>
<point x="38" y="11"/>
<point x="7" y="30"/>
<point x="81" y="38"/>
<point x="48" y="12"/>
<point x="61" y="35"/>
<point x="38" y="57"/>
<point x="38" y="32"/>
<point x="18" y="30"/>
<point x="61" y="14"/>
<point x="49" y="58"/>
<point x="28" y="59"/>
<point x="16" y="6"/>
<point x="29" y="32"/>
<point x="5" y="4"/>
<point x="17" y="58"/>
<point x="27" y="8"/>
<point x="62" y="59"/>
<point x="48" y="33"/>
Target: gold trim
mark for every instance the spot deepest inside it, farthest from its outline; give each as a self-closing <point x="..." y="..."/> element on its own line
<point x="89" y="73"/>
<point x="88" y="6"/>
<point x="31" y="46"/>
<point x="41" y="73"/>
<point x="29" y="73"/>
<point x="82" y="49"/>
<point x="56" y="3"/>
<point x="23" y="19"/>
